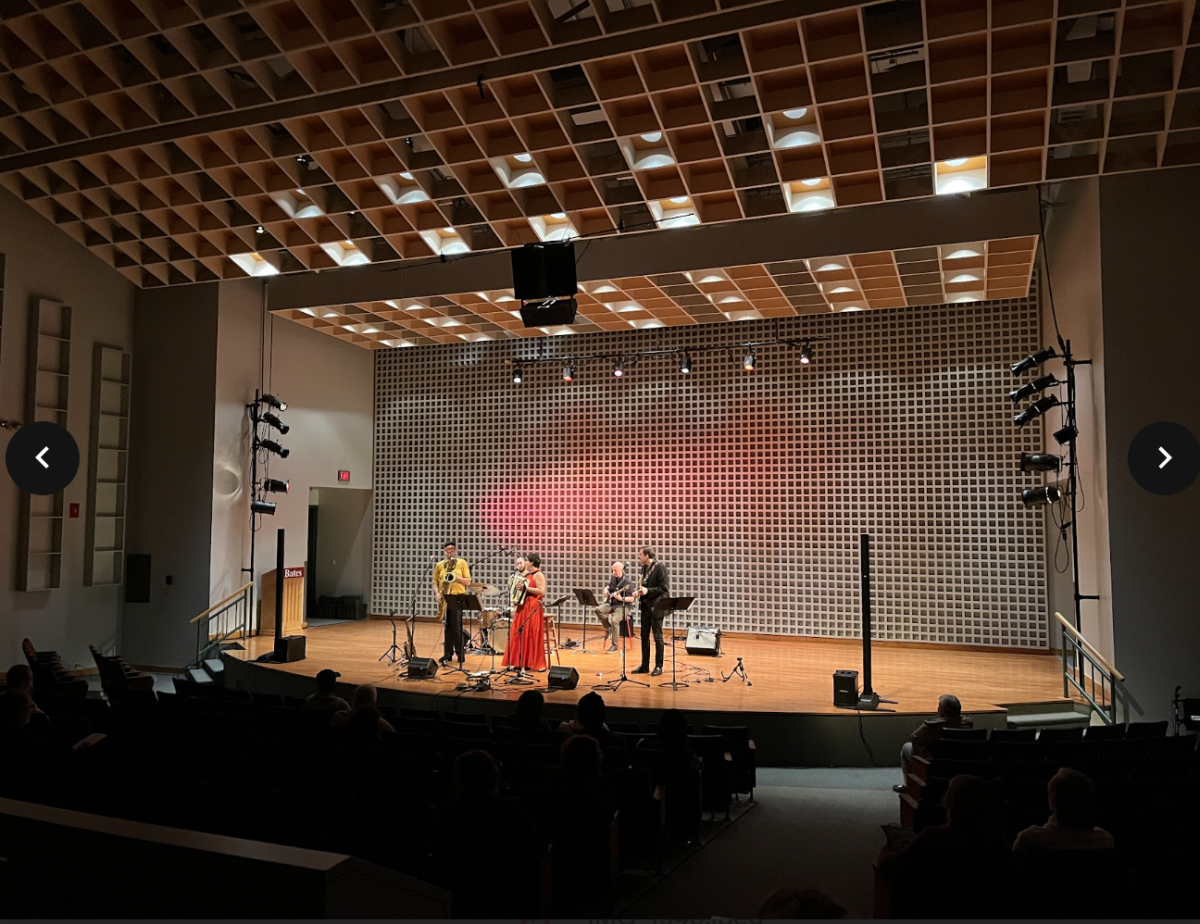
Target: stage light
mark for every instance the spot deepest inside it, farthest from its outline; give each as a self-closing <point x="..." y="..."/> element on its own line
<point x="1037" y="409"/>
<point x="1040" y="462"/>
<point x="1066" y="434"/>
<point x="568" y="373"/>
<point x="619" y="368"/>
<point x="806" y="353"/>
<point x="518" y="375"/>
<point x="272" y="421"/>
<point x="1032" y="388"/>
<point x="275" y="486"/>
<point x="1041" y="497"/>
<point x="685" y="364"/>
<point x="750" y="361"/>
<point x="262" y="506"/>
<point x="1034" y="359"/>
<point x="272" y="446"/>
<point x="272" y="401"/>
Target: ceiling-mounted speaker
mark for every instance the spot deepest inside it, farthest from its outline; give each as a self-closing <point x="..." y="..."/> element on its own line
<point x="542" y="271"/>
<point x="549" y="313"/>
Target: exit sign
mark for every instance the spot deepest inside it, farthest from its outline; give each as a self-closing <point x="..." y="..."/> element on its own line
<point x="343" y="475"/>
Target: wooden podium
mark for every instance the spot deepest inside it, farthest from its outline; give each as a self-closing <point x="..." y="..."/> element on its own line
<point x="293" y="602"/>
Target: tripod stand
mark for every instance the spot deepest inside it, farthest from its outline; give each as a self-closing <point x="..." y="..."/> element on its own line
<point x="615" y="685"/>
<point x="457" y="604"/>
<point x="739" y="671"/>
<point x="391" y="653"/>
<point x="587" y="600"/>
<point x="681" y="604"/>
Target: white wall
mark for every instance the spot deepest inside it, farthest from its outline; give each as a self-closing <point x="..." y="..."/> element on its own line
<point x="329" y="389"/>
<point x="1073" y="242"/>
<point x="43" y="262"/>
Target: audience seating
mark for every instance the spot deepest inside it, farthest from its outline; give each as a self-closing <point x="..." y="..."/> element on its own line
<point x="116" y="673"/>
<point x="741" y="749"/>
<point x="50" y="677"/>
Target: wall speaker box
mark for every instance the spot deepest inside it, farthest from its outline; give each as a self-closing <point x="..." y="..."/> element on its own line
<point x="845" y="689"/>
<point x="290" y="648"/>
<point x="543" y="270"/>
<point x="702" y="640"/>
<point x="563" y="678"/>
<point x="137" y="578"/>
<point x="422" y="668"/>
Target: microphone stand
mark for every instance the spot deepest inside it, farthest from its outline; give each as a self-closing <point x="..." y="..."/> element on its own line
<point x="390" y="654"/>
<point x="520" y="679"/>
<point x="614" y="685"/>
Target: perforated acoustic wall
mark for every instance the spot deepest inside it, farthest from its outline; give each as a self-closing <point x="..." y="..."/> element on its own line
<point x="753" y="487"/>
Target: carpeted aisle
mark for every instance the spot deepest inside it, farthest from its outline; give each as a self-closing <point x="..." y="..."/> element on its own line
<point x="812" y="828"/>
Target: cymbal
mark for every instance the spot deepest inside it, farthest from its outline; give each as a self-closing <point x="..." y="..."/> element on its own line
<point x="482" y="589"/>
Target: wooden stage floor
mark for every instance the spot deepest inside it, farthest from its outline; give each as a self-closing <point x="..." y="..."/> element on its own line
<point x="789" y="675"/>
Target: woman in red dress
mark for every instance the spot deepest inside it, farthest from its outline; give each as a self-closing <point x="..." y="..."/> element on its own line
<point x="526" y="648"/>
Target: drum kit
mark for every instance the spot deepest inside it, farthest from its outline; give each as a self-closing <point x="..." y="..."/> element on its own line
<point x="493" y="624"/>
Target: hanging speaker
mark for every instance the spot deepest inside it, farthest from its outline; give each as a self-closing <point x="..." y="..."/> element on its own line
<point x="542" y="271"/>
<point x="547" y="313"/>
<point x="422" y="668"/>
<point x="702" y="640"/>
<point x="562" y="678"/>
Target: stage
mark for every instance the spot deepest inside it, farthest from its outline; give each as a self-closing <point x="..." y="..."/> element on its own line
<point x="791" y="688"/>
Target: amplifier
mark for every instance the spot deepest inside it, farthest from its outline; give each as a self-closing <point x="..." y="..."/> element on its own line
<point x="702" y="640"/>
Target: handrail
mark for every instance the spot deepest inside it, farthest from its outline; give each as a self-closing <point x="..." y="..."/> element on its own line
<point x="1104" y="662"/>
<point x="241" y="590"/>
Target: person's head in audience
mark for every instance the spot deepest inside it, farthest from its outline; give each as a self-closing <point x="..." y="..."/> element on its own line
<point x="476" y="776"/>
<point x="673" y="729"/>
<point x="949" y="707"/>
<point x="973" y="809"/>
<point x="327" y="681"/>
<point x="19" y="678"/>
<point x="800" y="904"/>
<point x="590" y="712"/>
<point x="365" y="695"/>
<point x="16" y="708"/>
<point x="364" y="722"/>
<point x="581" y="755"/>
<point x="529" y="707"/>
<point x="1072" y="800"/>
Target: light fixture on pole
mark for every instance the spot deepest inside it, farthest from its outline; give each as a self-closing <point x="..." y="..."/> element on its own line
<point x="273" y="447"/>
<point x="1040" y="462"/>
<point x="806" y="353"/>
<point x="619" y="368"/>
<point x="518" y="375"/>
<point x="1032" y="388"/>
<point x="568" y="373"/>
<point x="1042" y="496"/>
<point x="750" y="362"/>
<point x="262" y="506"/>
<point x="1033" y="359"/>
<point x="685" y="364"/>
<point x="272" y="401"/>
<point x="275" y="486"/>
<point x="1066" y="434"/>
<point x="1037" y="409"/>
<point x="272" y="421"/>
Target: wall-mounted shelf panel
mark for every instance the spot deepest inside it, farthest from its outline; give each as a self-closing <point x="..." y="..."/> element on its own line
<point x="108" y="447"/>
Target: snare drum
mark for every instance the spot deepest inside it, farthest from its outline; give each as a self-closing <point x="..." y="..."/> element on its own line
<point x="499" y="634"/>
<point x="487" y="617"/>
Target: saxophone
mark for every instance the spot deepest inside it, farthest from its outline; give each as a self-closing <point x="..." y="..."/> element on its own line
<point x="446" y="583"/>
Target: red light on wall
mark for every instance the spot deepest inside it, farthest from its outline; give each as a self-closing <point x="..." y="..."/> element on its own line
<point x="74" y="511"/>
<point x="343" y="475"/>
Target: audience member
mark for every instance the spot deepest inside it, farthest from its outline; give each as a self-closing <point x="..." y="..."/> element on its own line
<point x="949" y="715"/>
<point x="364" y="699"/>
<point x="578" y="781"/>
<point x="16" y="709"/>
<point x="326" y="698"/>
<point x="527" y="715"/>
<point x="801" y="904"/>
<point x="589" y="720"/>
<point x="1072" y="822"/>
<point x="19" y="679"/>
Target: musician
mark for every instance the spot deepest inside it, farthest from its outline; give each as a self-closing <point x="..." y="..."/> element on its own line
<point x="526" y="648"/>
<point x="618" y="595"/>
<point x="655" y="587"/>
<point x="451" y="575"/>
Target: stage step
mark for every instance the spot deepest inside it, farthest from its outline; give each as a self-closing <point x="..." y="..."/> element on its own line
<point x="196" y="675"/>
<point x="215" y="669"/>
<point x="1049" y="715"/>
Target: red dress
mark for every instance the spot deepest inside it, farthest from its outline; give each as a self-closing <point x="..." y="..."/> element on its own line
<point x="527" y="646"/>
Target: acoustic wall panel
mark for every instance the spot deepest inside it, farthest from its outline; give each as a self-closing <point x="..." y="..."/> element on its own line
<point x="753" y="487"/>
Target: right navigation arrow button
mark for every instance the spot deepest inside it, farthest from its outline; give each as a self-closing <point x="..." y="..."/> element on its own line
<point x="1166" y="458"/>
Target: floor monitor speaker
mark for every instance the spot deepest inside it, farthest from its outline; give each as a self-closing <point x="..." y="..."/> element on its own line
<point x="563" y="678"/>
<point x="702" y="640"/>
<point x="422" y="668"/>
<point x="290" y="648"/>
<point x="845" y="689"/>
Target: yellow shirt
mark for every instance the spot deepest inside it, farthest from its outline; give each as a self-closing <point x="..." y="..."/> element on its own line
<point x="461" y="568"/>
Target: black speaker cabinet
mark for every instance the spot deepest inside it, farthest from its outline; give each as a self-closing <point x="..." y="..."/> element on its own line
<point x="702" y="640"/>
<point x="562" y="678"/>
<point x="422" y="668"/>
<point x="547" y="314"/>
<point x="544" y="270"/>
<point x="290" y="648"/>
<point x="845" y="689"/>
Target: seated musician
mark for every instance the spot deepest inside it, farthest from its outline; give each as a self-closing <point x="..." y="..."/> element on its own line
<point x="617" y="597"/>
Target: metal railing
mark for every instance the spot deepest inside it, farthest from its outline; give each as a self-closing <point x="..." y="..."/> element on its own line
<point x="1089" y="672"/>
<point x="223" y="620"/>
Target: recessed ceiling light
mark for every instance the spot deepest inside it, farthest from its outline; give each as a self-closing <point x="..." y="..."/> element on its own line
<point x="956" y="162"/>
<point x="966" y="298"/>
<point x="965" y="277"/>
<point x="523" y="158"/>
<point x="795" y="113"/>
<point x="850" y="308"/>
<point x="406" y="176"/>
<point x="652" y="137"/>
<point x="815" y="181"/>
<point x="679" y="200"/>
<point x="447" y="230"/>
<point x="840" y="289"/>
<point x="959" y="254"/>
<point x="830" y="266"/>
<point x="559" y="216"/>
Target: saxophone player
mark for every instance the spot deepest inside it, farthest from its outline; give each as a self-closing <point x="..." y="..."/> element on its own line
<point x="451" y="575"/>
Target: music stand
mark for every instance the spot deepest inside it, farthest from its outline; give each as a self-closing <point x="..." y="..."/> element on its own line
<point x="586" y="598"/>
<point x="681" y="604"/>
<point x="461" y="603"/>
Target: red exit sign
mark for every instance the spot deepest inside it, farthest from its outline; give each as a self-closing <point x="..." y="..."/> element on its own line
<point x="343" y="475"/>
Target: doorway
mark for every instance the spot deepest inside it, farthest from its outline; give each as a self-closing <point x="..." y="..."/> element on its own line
<point x="340" y="525"/>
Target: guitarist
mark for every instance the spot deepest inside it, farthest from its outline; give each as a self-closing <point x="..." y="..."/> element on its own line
<point x="451" y="575"/>
<point x="617" y="597"/>
<point x="655" y="586"/>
